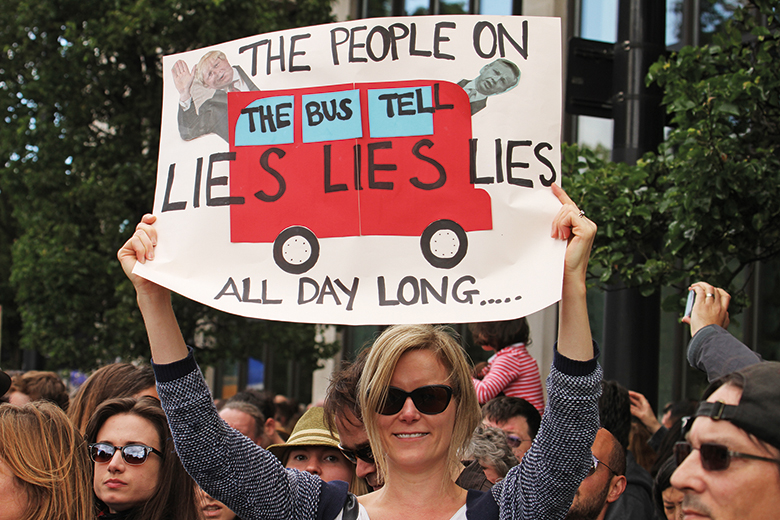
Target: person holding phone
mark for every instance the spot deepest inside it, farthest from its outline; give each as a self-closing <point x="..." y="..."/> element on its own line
<point x="713" y="349"/>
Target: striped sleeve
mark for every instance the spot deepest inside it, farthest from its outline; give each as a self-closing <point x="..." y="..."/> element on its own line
<point x="515" y="373"/>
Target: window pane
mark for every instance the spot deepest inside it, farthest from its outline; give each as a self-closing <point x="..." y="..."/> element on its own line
<point x="599" y="20"/>
<point x="378" y="8"/>
<point x="713" y="15"/>
<point x="595" y="133"/>
<point x="454" y="7"/>
<point x="674" y="20"/>
<point x="417" y="7"/>
<point x="500" y="7"/>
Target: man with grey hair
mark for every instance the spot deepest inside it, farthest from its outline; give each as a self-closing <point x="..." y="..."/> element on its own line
<point x="249" y="420"/>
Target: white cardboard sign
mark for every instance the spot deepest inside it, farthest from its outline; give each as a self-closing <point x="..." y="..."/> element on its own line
<point x="380" y="171"/>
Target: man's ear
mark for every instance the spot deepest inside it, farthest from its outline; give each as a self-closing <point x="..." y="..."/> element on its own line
<point x="270" y="427"/>
<point x="616" y="487"/>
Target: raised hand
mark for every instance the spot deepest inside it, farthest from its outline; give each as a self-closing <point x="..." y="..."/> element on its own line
<point x="140" y="248"/>
<point x="710" y="308"/>
<point x="572" y="225"/>
<point x="641" y="409"/>
<point x="183" y="78"/>
<point x="574" y="337"/>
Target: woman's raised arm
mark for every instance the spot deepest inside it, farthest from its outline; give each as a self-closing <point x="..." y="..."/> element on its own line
<point x="154" y="301"/>
<point x="574" y="337"/>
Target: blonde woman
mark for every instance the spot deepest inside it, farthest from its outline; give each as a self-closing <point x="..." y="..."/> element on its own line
<point x="44" y="467"/>
<point x="419" y="407"/>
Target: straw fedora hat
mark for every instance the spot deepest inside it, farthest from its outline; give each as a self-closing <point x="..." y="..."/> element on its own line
<point x="310" y="430"/>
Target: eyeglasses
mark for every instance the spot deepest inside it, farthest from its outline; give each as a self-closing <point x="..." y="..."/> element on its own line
<point x="133" y="454"/>
<point x="595" y="466"/>
<point x="714" y="457"/>
<point x="514" y="441"/>
<point x="365" y="454"/>
<point x="430" y="399"/>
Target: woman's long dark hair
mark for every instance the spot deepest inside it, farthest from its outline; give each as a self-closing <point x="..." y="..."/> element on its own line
<point x="174" y="498"/>
<point x="109" y="382"/>
<point x="662" y="482"/>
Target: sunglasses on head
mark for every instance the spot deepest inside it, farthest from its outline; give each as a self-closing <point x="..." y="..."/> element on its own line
<point x="513" y="441"/>
<point x="714" y="457"/>
<point x="430" y="399"/>
<point x="133" y="454"/>
<point x="595" y="466"/>
<point x="364" y="453"/>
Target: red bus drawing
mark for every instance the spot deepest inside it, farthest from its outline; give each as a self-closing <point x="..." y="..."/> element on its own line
<point x="390" y="158"/>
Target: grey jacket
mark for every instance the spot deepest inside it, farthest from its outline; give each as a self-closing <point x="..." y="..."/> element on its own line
<point x="717" y="353"/>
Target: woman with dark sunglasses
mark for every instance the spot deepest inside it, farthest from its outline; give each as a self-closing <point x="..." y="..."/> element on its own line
<point x="136" y="472"/>
<point x="419" y="406"/>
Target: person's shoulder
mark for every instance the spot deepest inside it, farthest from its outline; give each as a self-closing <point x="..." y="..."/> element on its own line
<point x="633" y="504"/>
<point x="517" y="349"/>
<point x="334" y="497"/>
<point x="481" y="505"/>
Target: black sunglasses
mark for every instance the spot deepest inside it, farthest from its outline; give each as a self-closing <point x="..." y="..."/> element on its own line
<point x="365" y="454"/>
<point x="133" y="454"/>
<point x="714" y="457"/>
<point x="430" y="399"/>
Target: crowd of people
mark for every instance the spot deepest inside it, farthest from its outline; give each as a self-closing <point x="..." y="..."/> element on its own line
<point x="408" y="429"/>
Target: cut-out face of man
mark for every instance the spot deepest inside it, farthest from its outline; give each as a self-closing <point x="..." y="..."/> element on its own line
<point x="217" y="72"/>
<point x="495" y="77"/>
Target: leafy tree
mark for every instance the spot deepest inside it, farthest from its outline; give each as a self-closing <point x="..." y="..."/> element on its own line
<point x="80" y="91"/>
<point x="705" y="206"/>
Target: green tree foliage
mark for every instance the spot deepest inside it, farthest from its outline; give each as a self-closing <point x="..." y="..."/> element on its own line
<point x="80" y="97"/>
<point x="706" y="205"/>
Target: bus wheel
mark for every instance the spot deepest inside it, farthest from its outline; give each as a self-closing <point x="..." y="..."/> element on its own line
<point x="296" y="250"/>
<point x="444" y="244"/>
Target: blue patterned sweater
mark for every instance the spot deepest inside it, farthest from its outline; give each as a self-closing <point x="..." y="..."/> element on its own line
<point x="252" y="482"/>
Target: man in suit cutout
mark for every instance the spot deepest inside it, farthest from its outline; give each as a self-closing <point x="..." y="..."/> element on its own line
<point x="203" y="94"/>
<point x="494" y="78"/>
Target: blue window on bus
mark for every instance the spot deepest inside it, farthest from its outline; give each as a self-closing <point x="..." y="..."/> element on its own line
<point x="266" y="121"/>
<point x="400" y="112"/>
<point x="331" y="116"/>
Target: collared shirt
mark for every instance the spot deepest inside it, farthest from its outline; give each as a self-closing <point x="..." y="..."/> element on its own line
<point x="471" y="90"/>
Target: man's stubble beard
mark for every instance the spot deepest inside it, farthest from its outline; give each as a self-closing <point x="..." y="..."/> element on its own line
<point x="587" y="509"/>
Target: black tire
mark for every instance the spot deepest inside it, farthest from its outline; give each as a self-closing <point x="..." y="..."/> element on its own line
<point x="429" y="247"/>
<point x="294" y="266"/>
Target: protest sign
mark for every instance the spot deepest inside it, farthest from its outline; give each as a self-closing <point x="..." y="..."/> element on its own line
<point x="389" y="170"/>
